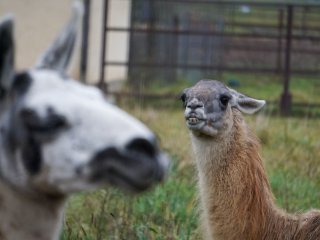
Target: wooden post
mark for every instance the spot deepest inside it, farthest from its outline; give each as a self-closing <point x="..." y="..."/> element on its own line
<point x="286" y="98"/>
<point x="85" y="41"/>
<point x="279" y="50"/>
<point x="102" y="84"/>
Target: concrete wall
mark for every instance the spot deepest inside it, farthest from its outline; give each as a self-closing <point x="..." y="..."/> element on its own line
<point x="39" y="21"/>
<point x="117" y="48"/>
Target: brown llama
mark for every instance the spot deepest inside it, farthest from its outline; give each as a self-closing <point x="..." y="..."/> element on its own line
<point x="235" y="195"/>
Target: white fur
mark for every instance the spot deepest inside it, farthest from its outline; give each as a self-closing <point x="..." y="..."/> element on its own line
<point x="88" y="114"/>
<point x="58" y="136"/>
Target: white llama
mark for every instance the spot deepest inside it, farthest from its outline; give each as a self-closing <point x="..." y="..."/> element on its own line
<point x="58" y="137"/>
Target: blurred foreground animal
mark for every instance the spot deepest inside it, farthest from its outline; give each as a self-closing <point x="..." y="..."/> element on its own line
<point x="59" y="137"/>
<point x="236" y="199"/>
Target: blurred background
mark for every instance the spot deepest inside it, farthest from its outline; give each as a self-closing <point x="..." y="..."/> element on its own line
<point x="143" y="53"/>
<point x="175" y="43"/>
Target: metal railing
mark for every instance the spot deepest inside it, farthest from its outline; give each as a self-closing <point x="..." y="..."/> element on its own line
<point x="293" y="29"/>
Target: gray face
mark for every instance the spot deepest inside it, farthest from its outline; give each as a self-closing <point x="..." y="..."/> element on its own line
<point x="208" y="107"/>
<point x="59" y="136"/>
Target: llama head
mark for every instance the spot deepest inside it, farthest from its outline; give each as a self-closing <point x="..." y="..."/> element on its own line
<point x="208" y="107"/>
<point x="58" y="136"/>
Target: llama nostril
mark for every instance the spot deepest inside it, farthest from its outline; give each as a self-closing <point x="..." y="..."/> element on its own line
<point x="143" y="146"/>
<point x="194" y="105"/>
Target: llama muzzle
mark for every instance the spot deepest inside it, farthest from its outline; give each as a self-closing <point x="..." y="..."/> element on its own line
<point x="137" y="167"/>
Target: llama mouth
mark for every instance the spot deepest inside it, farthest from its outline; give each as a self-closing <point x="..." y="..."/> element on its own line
<point x="148" y="170"/>
<point x="201" y="126"/>
<point x="195" y="122"/>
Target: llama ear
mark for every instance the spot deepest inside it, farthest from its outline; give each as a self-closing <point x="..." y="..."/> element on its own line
<point x="6" y="52"/>
<point x="58" y="56"/>
<point x="244" y="103"/>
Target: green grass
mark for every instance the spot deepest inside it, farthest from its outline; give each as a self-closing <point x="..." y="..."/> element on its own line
<point x="294" y="192"/>
<point x="158" y="214"/>
<point x="269" y="87"/>
<point x="290" y="149"/>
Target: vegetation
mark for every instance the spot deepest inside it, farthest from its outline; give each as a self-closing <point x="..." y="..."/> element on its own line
<point x="290" y="147"/>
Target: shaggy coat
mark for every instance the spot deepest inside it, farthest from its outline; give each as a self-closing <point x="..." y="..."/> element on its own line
<point x="235" y="193"/>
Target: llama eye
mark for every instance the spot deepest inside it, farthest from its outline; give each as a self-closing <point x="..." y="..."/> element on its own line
<point x="224" y="100"/>
<point x="37" y="125"/>
<point x="183" y="97"/>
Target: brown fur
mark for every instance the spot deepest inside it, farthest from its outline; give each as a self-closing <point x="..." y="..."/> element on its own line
<point x="2" y="236"/>
<point x="235" y="193"/>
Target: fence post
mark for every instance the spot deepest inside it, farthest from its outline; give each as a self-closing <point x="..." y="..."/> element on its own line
<point x="131" y="46"/>
<point x="102" y="84"/>
<point x="85" y="40"/>
<point x="175" y="47"/>
<point x="286" y="98"/>
<point x="279" y="52"/>
<point x="151" y="40"/>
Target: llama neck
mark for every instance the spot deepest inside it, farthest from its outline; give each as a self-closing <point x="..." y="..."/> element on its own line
<point x="235" y="194"/>
<point x="22" y="217"/>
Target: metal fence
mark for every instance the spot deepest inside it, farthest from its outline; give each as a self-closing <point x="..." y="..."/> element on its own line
<point x="175" y="39"/>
